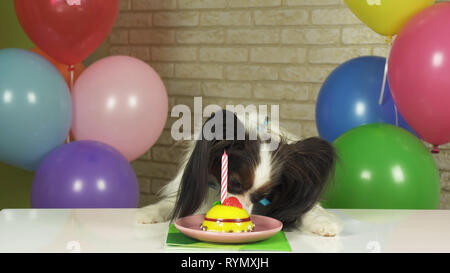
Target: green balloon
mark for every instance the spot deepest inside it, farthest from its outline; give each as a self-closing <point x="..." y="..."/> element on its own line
<point x="381" y="166"/>
<point x="15" y="187"/>
<point x="11" y="32"/>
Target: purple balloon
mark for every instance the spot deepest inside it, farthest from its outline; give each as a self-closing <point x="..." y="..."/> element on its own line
<point x="85" y="174"/>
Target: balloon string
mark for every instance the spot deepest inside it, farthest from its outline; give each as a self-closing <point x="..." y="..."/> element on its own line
<point x="396" y="115"/>
<point x="386" y="70"/>
<point x="71" y="69"/>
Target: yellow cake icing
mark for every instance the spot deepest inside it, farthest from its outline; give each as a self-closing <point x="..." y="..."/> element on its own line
<point x="222" y="218"/>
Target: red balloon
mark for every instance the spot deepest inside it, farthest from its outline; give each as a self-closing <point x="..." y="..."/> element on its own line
<point x="419" y="69"/>
<point x="67" y="30"/>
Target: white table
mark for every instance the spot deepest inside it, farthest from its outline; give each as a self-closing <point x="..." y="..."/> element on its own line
<point x="114" y="230"/>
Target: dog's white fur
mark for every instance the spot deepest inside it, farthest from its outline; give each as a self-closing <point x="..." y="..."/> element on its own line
<point x="317" y="220"/>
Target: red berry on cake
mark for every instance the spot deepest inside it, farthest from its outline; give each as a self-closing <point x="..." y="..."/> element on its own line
<point x="232" y="201"/>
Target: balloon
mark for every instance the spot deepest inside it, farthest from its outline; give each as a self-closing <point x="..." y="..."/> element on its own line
<point x="120" y="101"/>
<point x="386" y="17"/>
<point x="35" y="108"/>
<point x="383" y="167"/>
<point x="67" y="30"/>
<point x="15" y="187"/>
<point x="85" y="174"/>
<point x="11" y="33"/>
<point x="350" y="96"/>
<point x="419" y="68"/>
<point x="62" y="68"/>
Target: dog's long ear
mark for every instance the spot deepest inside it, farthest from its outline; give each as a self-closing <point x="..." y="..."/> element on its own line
<point x="202" y="161"/>
<point x="194" y="182"/>
<point x="305" y="169"/>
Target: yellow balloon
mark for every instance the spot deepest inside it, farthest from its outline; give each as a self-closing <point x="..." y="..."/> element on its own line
<point x="387" y="17"/>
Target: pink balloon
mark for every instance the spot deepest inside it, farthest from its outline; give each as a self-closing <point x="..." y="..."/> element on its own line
<point x="120" y="101"/>
<point x="419" y="73"/>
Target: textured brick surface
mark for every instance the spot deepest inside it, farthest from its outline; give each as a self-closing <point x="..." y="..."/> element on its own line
<point x="174" y="54"/>
<point x="332" y="16"/>
<point x="202" y="4"/>
<point x="226" y="18"/>
<point x="311" y="36"/>
<point x="251" y="72"/>
<point x="223" y="54"/>
<point x="227" y="90"/>
<point x="242" y="52"/>
<point x="253" y="36"/>
<point x="134" y="19"/>
<point x="153" y="4"/>
<point x="253" y="3"/>
<point x="277" y="55"/>
<point x="336" y="55"/>
<point x="290" y="17"/>
<point x="176" y="19"/>
<point x="214" y="36"/>
<point x="281" y="91"/>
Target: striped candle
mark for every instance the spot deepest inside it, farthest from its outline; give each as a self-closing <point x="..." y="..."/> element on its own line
<point x="224" y="182"/>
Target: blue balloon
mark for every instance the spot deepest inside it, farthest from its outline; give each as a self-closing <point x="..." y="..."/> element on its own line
<point x="35" y="108"/>
<point x="350" y="97"/>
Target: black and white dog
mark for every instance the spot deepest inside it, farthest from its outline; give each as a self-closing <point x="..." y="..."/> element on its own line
<point x="285" y="182"/>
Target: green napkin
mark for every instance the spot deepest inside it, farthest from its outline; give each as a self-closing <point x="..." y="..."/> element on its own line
<point x="278" y="242"/>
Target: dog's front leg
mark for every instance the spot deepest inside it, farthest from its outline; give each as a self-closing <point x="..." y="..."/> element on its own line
<point x="156" y="213"/>
<point x="321" y="222"/>
<point x="161" y="211"/>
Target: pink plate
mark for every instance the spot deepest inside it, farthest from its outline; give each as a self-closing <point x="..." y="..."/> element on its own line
<point x="265" y="227"/>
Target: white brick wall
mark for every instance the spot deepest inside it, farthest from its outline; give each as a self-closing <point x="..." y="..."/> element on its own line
<point x="240" y="52"/>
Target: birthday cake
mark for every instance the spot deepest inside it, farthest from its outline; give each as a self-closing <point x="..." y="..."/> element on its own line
<point x="227" y="217"/>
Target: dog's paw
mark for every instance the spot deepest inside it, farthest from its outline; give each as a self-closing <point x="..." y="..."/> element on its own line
<point x="321" y="222"/>
<point x="325" y="227"/>
<point x="148" y="216"/>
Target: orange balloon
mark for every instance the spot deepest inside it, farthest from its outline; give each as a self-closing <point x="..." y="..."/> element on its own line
<point x="63" y="69"/>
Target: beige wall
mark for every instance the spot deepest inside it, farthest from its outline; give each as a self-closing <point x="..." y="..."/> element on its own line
<point x="242" y="51"/>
